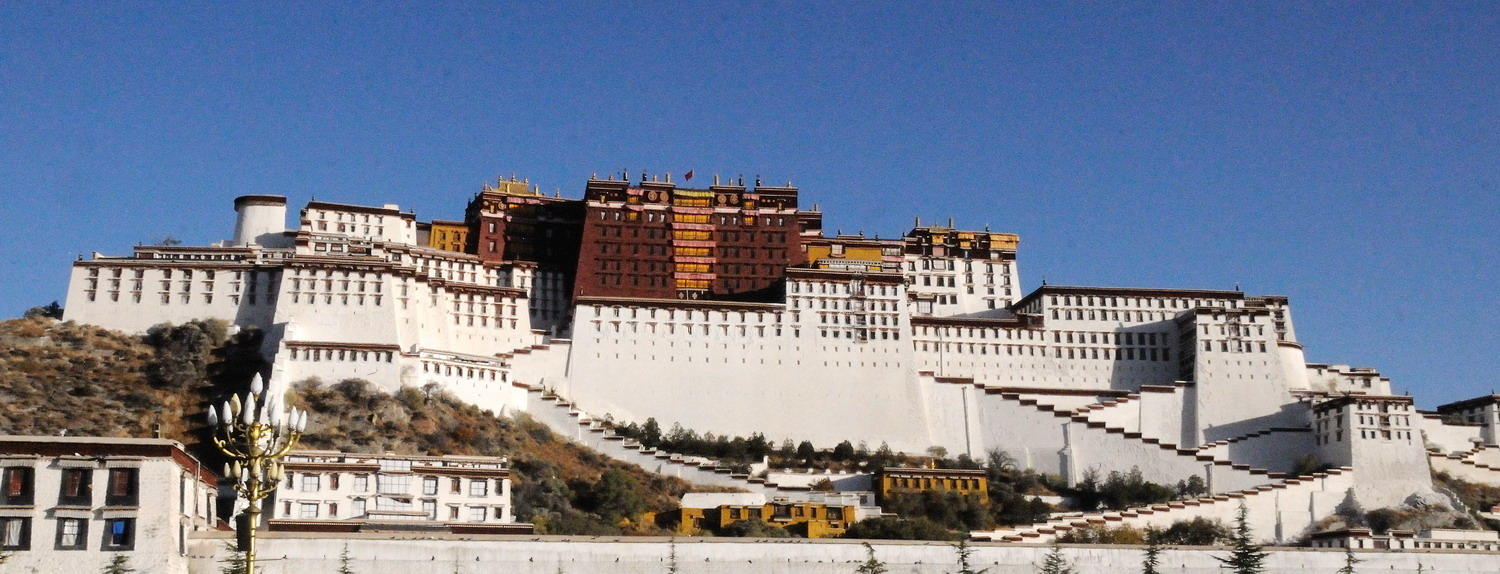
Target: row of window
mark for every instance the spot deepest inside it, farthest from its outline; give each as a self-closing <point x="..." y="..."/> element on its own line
<point x="72" y="534"/>
<point x="390" y="483"/>
<point x="460" y="371"/>
<point x="76" y="489"/>
<point x="315" y="510"/>
<point x="1142" y="302"/>
<point x="185" y="274"/>
<point x="827" y="288"/>
<point x="690" y="314"/>
<point x="307" y="354"/>
<point x="843" y="304"/>
<point x="1109" y="315"/>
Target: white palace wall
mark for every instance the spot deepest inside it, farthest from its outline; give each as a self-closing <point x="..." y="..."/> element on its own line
<point x="741" y="369"/>
<point x="299" y="553"/>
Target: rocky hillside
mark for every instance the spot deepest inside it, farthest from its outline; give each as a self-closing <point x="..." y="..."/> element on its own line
<point x="60" y="377"/>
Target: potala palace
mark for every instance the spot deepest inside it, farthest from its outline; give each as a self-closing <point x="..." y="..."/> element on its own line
<point x="729" y="310"/>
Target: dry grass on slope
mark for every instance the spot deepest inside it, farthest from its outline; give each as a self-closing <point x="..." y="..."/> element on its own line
<point x="87" y="381"/>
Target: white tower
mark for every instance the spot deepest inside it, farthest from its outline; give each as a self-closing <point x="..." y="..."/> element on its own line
<point x="260" y="220"/>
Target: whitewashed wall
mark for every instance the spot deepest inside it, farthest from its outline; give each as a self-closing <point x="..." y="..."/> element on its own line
<point x="550" y="555"/>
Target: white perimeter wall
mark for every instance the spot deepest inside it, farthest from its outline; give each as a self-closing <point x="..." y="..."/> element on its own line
<point x="549" y="555"/>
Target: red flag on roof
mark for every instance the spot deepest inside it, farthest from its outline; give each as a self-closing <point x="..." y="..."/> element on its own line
<point x="688" y="175"/>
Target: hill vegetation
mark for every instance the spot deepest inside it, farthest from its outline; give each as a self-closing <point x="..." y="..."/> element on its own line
<point x="61" y="377"/>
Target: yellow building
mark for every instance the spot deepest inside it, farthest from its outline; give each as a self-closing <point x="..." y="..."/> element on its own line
<point x="854" y="253"/>
<point x="448" y="235"/>
<point x="895" y="480"/>
<point x="820" y="516"/>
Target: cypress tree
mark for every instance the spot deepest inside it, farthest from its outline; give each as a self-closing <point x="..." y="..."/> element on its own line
<point x="871" y="565"/>
<point x="119" y="564"/>
<point x="344" y="561"/>
<point x="1350" y="561"/>
<point x="1152" y="559"/>
<point x="1247" y="557"/>
<point x="1055" y="563"/>
<point x="965" y="552"/>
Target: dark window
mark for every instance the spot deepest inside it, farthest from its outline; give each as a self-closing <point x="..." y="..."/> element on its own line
<point x="17" y="491"/>
<point x="72" y="533"/>
<point x="122" y="487"/>
<point x="15" y="533"/>
<point x="119" y="534"/>
<point x="76" y="487"/>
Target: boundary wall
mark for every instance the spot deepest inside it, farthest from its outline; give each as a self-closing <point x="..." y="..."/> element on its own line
<point x="299" y="553"/>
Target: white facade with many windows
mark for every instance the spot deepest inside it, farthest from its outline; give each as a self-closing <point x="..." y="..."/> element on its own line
<point x="73" y="504"/>
<point x="329" y="489"/>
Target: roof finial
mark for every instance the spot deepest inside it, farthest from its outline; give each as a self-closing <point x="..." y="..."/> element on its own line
<point x="669" y="177"/>
<point x="593" y="176"/>
<point x="1044" y="281"/>
<point x="757" y="180"/>
<point x="950" y="223"/>
<point x="716" y="179"/>
<point x="917" y="221"/>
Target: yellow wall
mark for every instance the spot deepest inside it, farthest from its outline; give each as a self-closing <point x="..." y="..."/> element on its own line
<point x="916" y="481"/>
<point x="448" y="237"/>
<point x="853" y="252"/>
<point x="803" y="518"/>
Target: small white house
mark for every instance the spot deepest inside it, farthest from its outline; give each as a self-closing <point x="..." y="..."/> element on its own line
<point x="336" y="491"/>
<point x="71" y="504"/>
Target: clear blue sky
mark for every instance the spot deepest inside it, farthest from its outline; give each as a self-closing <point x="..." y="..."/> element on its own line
<point x="1344" y="155"/>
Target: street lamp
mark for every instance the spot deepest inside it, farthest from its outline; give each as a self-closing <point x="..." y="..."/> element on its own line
<point x="254" y="432"/>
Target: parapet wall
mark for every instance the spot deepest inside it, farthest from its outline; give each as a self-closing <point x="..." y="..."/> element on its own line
<point x="300" y="553"/>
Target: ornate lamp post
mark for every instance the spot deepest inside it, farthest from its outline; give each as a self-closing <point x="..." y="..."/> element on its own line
<point x="254" y="432"/>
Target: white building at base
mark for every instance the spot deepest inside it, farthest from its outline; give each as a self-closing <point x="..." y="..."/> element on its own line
<point x="333" y="491"/>
<point x="72" y="504"/>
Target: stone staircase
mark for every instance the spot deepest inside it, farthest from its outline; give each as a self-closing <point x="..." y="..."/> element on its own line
<point x="565" y="418"/>
<point x="1478" y="464"/>
<point x="1228" y="473"/>
<point x="1308" y="499"/>
<point x="1118" y="412"/>
<point x="1268" y="448"/>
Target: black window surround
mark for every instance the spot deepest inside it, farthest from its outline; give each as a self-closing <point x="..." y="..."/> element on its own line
<point x="77" y="488"/>
<point x="22" y="540"/>
<point x="16" y="486"/>
<point x="82" y="540"/>
<point x="119" y="534"/>
<point x="124" y="487"/>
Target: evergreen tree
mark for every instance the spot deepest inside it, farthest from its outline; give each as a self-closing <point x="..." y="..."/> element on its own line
<point x="119" y="564"/>
<point x="1350" y="561"/>
<point x="965" y="554"/>
<point x="1246" y="557"/>
<point x="344" y="561"/>
<point x="1152" y="560"/>
<point x="871" y="565"/>
<point x="235" y="563"/>
<point x="1055" y="563"/>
